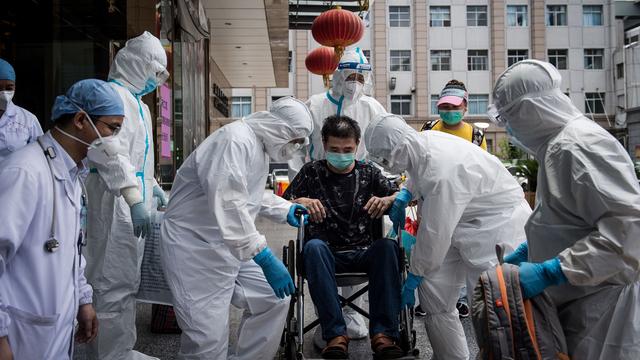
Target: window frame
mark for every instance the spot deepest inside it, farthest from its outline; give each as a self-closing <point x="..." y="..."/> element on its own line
<point x="433" y="102"/>
<point x="399" y="21"/>
<point x="242" y="102"/>
<point x="598" y="99"/>
<point x="478" y="100"/>
<point x="525" y="22"/>
<point x="557" y="57"/>
<point x="440" y="62"/>
<point x="555" y="15"/>
<point x="477" y="14"/>
<point x="517" y="57"/>
<point x="402" y="100"/>
<point x="585" y="13"/>
<point x="470" y="57"/>
<point x="594" y="58"/>
<point x="445" y="22"/>
<point x="401" y="56"/>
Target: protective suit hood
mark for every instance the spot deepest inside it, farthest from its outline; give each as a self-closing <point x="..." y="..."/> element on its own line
<point x="141" y="61"/>
<point x="288" y="119"/>
<point x="352" y="61"/>
<point x="528" y="100"/>
<point x="389" y="140"/>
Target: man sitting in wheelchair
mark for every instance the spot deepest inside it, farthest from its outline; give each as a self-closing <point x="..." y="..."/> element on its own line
<point x="344" y="198"/>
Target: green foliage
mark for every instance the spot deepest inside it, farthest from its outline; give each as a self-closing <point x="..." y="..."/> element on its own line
<point x="507" y="151"/>
<point x="529" y="169"/>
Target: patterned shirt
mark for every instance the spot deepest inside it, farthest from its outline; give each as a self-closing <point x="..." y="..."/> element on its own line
<point x="347" y="225"/>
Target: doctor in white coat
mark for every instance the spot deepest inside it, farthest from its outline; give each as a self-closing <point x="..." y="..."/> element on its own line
<point x="42" y="283"/>
<point x="213" y="255"/>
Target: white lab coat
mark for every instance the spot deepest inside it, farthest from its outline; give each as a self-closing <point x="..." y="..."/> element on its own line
<point x="470" y="203"/>
<point x="40" y="291"/>
<point x="208" y="239"/>
<point x="587" y="212"/>
<point x="114" y="253"/>
<point x="18" y="127"/>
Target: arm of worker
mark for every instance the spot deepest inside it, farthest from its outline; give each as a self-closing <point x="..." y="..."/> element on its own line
<point x="441" y="212"/>
<point x="298" y="192"/>
<point x="274" y="207"/>
<point x="601" y="188"/>
<point x="384" y="194"/>
<point x="86" y="316"/>
<point x="223" y="178"/>
<point x="19" y="192"/>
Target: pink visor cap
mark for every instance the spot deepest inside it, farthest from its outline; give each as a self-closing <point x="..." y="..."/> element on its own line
<point x="453" y="95"/>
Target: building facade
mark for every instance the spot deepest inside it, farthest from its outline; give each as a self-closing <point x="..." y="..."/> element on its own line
<point x="416" y="46"/>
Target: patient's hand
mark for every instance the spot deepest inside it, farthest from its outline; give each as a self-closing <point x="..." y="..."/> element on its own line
<point x="376" y="206"/>
<point x="314" y="208"/>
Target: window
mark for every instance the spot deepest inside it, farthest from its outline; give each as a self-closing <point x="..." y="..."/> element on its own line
<point x="476" y="16"/>
<point x="592" y="15"/>
<point x="367" y="54"/>
<point x="400" y="60"/>
<point x="290" y="58"/>
<point x="401" y="104"/>
<point x="434" y="104"/>
<point x="513" y="56"/>
<point x="399" y="16"/>
<point x="556" y="15"/>
<point x="594" y="103"/>
<point x="477" y="60"/>
<point x="593" y="59"/>
<point x="517" y="15"/>
<point x="558" y="57"/>
<point x="619" y="71"/>
<point x="440" y="60"/>
<point x="490" y="148"/>
<point x="478" y="104"/>
<point x="440" y="16"/>
<point x="241" y="106"/>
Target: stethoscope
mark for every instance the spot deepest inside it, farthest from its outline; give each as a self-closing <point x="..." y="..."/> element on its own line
<point x="52" y="244"/>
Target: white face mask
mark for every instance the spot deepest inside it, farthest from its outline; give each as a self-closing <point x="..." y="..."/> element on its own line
<point x="352" y="90"/>
<point x="5" y="98"/>
<point x="102" y="149"/>
<point x="286" y="151"/>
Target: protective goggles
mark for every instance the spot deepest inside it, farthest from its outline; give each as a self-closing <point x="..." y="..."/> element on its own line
<point x="494" y="116"/>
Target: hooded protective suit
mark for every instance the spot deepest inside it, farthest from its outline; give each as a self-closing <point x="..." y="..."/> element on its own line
<point x="470" y="203"/>
<point x="587" y="212"/>
<point x="348" y="99"/>
<point x="209" y="236"/>
<point x="113" y="252"/>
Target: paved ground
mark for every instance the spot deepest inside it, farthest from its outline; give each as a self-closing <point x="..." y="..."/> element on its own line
<point x="166" y="346"/>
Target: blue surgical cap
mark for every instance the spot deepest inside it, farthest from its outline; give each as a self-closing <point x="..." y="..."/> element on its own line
<point x="93" y="96"/>
<point x="6" y="71"/>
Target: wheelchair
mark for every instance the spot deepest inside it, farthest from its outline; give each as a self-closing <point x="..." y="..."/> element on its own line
<point x="292" y="342"/>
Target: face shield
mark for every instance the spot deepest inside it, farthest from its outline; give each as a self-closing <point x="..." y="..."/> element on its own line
<point x="352" y="62"/>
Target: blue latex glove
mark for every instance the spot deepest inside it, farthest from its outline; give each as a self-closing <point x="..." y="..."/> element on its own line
<point x="292" y="219"/>
<point x="275" y="272"/>
<point x="519" y="255"/>
<point x="535" y="277"/>
<point x="408" y="241"/>
<point x="398" y="212"/>
<point x="159" y="194"/>
<point x="409" y="288"/>
<point x="140" y="219"/>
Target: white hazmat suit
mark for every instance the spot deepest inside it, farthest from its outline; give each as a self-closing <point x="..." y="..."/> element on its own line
<point x="587" y="212"/>
<point x="113" y="253"/>
<point x="346" y="99"/>
<point x="209" y="238"/>
<point x="470" y="203"/>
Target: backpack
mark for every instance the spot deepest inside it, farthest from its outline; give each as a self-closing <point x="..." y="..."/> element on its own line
<point x="477" y="136"/>
<point x="508" y="328"/>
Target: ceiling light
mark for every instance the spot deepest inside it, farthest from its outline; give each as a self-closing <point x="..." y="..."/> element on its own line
<point x="238" y="47"/>
<point x="228" y="23"/>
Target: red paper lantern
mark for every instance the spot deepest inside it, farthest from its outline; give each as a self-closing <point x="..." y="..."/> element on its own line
<point x="322" y="61"/>
<point x="337" y="28"/>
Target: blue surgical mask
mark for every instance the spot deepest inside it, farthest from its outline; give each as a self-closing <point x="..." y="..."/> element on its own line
<point x="341" y="161"/>
<point x="451" y="117"/>
<point x="514" y="140"/>
<point x="149" y="86"/>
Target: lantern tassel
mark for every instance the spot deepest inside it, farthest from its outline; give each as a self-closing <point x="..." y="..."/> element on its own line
<point x="325" y="81"/>
<point x="339" y="50"/>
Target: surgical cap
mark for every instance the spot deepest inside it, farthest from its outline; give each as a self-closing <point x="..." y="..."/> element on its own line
<point x="6" y="71"/>
<point x="95" y="97"/>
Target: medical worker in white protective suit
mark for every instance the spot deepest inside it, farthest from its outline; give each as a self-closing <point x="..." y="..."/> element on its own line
<point x="351" y="81"/>
<point x="212" y="254"/>
<point x="584" y="234"/>
<point x="469" y="203"/>
<point x="43" y="289"/>
<point x="117" y="224"/>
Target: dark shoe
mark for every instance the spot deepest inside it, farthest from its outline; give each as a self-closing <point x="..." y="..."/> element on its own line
<point x="463" y="310"/>
<point x="384" y="347"/>
<point x="419" y="312"/>
<point x="337" y="348"/>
